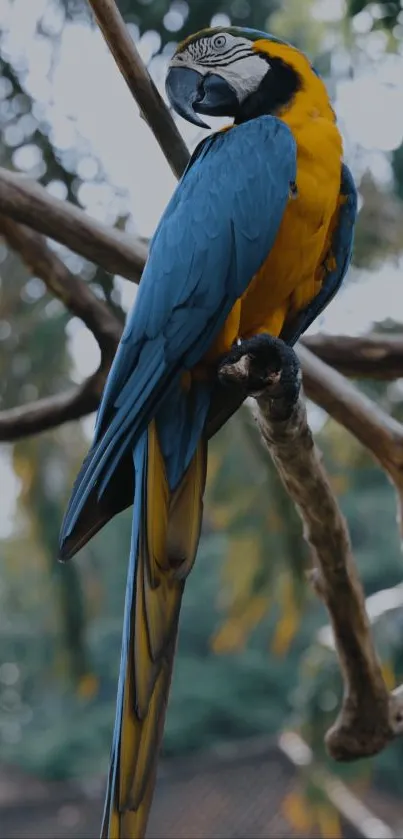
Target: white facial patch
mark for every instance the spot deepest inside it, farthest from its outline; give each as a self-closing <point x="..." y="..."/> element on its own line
<point x="245" y="75"/>
<point x="228" y="56"/>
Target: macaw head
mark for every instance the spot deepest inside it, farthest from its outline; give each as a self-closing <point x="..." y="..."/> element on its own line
<point x="240" y="73"/>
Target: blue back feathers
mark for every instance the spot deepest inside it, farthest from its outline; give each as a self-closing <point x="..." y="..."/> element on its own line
<point x="214" y="235"/>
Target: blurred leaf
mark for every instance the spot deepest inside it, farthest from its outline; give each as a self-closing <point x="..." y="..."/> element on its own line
<point x="329" y="822"/>
<point x="389" y="10"/>
<point x="176" y="20"/>
<point x="234" y="633"/>
<point x="380" y="225"/>
<point x="397" y="164"/>
<point x="88" y="686"/>
<point x="298" y="813"/>
<point x="290" y="617"/>
<point x="388" y="674"/>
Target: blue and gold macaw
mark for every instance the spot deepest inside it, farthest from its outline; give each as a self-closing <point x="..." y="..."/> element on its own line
<point x="255" y="242"/>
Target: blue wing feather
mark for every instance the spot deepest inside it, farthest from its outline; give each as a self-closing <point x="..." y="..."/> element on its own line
<point x="342" y="247"/>
<point x="191" y="254"/>
<point x="214" y="235"/>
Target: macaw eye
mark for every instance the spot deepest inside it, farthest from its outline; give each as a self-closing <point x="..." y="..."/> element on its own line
<point x="219" y="42"/>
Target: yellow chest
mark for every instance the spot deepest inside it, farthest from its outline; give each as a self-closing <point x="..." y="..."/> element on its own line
<point x="293" y="272"/>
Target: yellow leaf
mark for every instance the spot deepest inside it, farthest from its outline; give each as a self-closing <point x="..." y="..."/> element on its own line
<point x="339" y="483"/>
<point x="298" y="813"/>
<point x="254" y="612"/>
<point x="214" y="464"/>
<point x="288" y="625"/>
<point x="388" y="675"/>
<point x="88" y="686"/>
<point x="329" y="822"/>
<point x="24" y="470"/>
<point x="275" y="521"/>
<point x="230" y="638"/>
<point x="284" y="635"/>
<point x="233" y="634"/>
<point x="221" y="516"/>
<point x="242" y="563"/>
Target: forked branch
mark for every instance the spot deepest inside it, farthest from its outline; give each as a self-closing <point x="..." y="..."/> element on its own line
<point x="81" y="302"/>
<point x="374" y="356"/>
<point x="27" y="202"/>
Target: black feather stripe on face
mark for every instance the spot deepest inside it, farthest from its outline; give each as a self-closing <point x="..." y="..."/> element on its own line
<point x="222" y="61"/>
<point x="276" y="90"/>
<point x="276" y="84"/>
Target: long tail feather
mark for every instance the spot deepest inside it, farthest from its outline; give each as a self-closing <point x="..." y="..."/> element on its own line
<point x="166" y="530"/>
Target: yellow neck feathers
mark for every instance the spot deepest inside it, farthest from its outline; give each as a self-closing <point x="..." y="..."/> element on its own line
<point x="312" y="100"/>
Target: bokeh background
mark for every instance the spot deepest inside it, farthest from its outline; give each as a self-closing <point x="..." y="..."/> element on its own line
<point x="253" y="659"/>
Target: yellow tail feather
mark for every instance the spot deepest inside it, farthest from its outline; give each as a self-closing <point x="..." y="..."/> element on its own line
<point x="168" y="540"/>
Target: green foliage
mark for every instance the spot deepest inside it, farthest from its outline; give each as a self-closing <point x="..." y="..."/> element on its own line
<point x="384" y="13"/>
<point x="248" y="620"/>
<point x="380" y="225"/>
<point x="265" y="560"/>
<point x="397" y="163"/>
<point x="176" y="19"/>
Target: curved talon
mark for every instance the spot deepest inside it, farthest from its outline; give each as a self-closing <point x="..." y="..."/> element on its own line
<point x="260" y="364"/>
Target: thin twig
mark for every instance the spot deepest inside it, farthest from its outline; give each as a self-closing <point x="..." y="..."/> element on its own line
<point x="140" y="84"/>
<point x="381" y="434"/>
<point x="374" y="356"/>
<point x="50" y="413"/>
<point x="27" y="202"/>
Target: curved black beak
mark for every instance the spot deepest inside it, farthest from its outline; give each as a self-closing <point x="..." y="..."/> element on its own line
<point x="190" y="93"/>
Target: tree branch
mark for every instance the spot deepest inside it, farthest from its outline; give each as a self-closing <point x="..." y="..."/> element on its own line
<point x="73" y="292"/>
<point x="27" y="202"/>
<point x="370" y="717"/>
<point x="46" y="414"/>
<point x="373" y="356"/>
<point x="81" y="302"/>
<point x="140" y="84"/>
<point x="374" y="428"/>
<point x="30" y="203"/>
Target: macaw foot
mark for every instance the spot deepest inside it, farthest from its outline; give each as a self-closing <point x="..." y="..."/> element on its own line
<point x="264" y="367"/>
